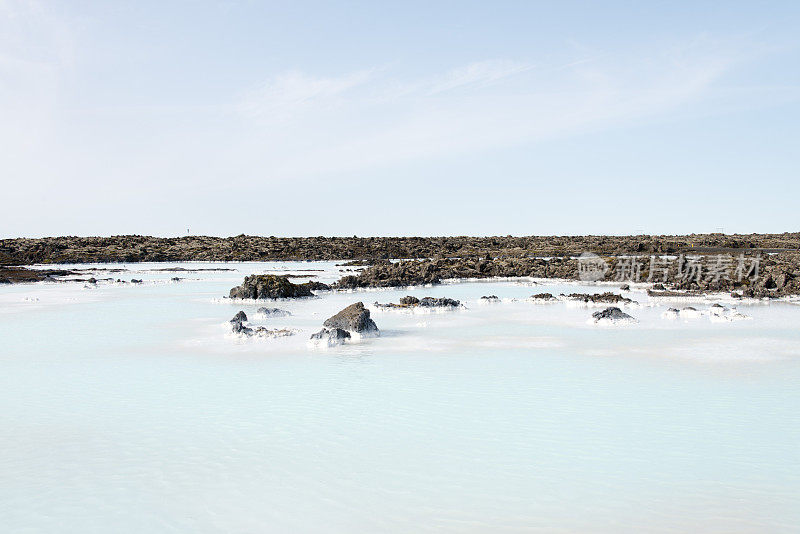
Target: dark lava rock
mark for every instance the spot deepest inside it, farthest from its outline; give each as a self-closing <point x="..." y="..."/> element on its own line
<point x="316" y="286"/>
<point x="135" y="281"/>
<point x="427" y="302"/>
<point x="430" y="302"/>
<point x="239" y="328"/>
<point x="239" y="317"/>
<point x="269" y="286"/>
<point x="543" y="296"/>
<point x="334" y="335"/>
<point x="491" y="250"/>
<point x="237" y="324"/>
<point x="600" y="298"/>
<point x="273" y="312"/>
<point x="176" y="279"/>
<point x="354" y="318"/>
<point x="625" y="287"/>
<point x="17" y="275"/>
<point x="492" y="298"/>
<point x="612" y="314"/>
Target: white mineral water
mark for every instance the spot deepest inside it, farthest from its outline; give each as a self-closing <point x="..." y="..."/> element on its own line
<point x="132" y="409"/>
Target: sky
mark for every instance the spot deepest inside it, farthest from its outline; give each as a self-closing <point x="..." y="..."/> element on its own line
<point x="404" y="118"/>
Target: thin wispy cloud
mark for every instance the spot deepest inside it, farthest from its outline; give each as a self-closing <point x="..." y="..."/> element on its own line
<point x="286" y="93"/>
<point x="97" y="99"/>
<point x="478" y="74"/>
<point x="478" y="106"/>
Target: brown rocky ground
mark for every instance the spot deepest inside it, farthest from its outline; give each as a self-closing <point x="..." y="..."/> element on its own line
<point x="135" y="248"/>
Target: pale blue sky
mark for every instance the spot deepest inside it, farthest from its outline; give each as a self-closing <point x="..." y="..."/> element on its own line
<point x="415" y="118"/>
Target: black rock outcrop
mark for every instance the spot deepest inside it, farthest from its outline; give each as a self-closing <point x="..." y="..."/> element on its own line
<point x="612" y="314"/>
<point x="269" y="286"/>
<point x="354" y="318"/>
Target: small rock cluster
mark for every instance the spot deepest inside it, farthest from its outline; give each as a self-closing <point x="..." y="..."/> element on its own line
<point x="426" y="302"/>
<point x="239" y="326"/>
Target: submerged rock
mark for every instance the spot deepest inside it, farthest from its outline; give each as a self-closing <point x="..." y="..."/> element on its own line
<point x="612" y="315"/>
<point x="354" y="318"/>
<point x="331" y="336"/>
<point x="689" y="312"/>
<point x="721" y="314"/>
<point x="269" y="286"/>
<point x="262" y="331"/>
<point x="671" y="313"/>
<point x="238" y="327"/>
<point x="273" y="312"/>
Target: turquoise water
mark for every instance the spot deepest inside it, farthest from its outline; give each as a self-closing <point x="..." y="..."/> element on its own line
<point x="132" y="409"/>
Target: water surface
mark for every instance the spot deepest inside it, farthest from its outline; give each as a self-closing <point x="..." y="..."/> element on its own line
<point x="130" y="408"/>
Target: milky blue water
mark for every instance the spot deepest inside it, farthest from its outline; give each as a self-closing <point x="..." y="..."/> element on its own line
<point x="131" y="408"/>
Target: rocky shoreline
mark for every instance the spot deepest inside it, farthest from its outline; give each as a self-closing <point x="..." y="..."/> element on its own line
<point x="434" y="260"/>
<point x="778" y="274"/>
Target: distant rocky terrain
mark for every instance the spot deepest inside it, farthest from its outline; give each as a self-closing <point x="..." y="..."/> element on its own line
<point x="136" y="248"/>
